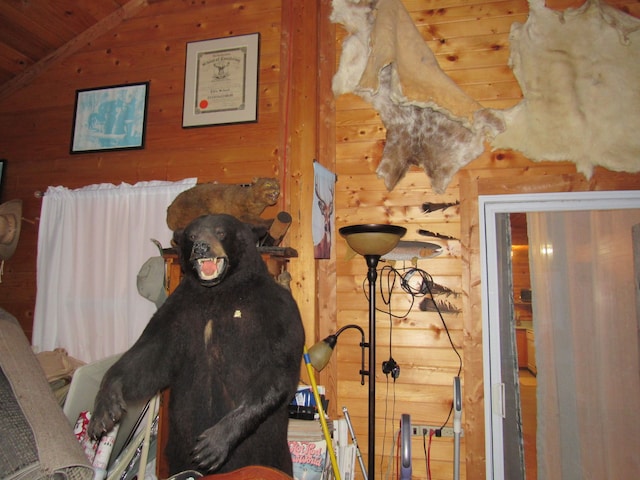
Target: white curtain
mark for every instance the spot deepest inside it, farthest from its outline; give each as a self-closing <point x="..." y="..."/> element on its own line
<point x="586" y="338"/>
<point x="91" y="244"/>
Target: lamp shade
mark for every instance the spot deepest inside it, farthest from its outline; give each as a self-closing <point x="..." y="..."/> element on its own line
<point x="372" y="238"/>
<point x="320" y="353"/>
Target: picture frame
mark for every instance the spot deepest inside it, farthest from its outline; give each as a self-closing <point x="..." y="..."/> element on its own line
<point x="110" y="118"/>
<point x="221" y="81"/>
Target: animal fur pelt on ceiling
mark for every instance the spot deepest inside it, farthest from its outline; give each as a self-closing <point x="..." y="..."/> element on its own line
<point x="430" y="121"/>
<point x="579" y="71"/>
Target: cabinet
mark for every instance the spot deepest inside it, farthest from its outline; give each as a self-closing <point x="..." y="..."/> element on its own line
<point x="276" y="259"/>
<point x="531" y="353"/>
<point x="521" y="346"/>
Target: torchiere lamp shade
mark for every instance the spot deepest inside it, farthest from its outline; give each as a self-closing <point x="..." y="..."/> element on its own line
<point x="372" y="238"/>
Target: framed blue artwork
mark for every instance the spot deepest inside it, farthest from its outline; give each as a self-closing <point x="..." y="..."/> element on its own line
<point x="110" y="118"/>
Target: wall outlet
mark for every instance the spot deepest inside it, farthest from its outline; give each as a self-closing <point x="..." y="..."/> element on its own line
<point x="420" y="430"/>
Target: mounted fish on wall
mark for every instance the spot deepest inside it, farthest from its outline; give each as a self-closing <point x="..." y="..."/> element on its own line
<point x="413" y="250"/>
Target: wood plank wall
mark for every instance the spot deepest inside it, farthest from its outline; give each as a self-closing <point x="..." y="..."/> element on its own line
<point x="35" y="122"/>
<point x="470" y="39"/>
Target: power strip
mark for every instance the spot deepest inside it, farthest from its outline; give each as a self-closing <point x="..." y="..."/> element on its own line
<point x="423" y="430"/>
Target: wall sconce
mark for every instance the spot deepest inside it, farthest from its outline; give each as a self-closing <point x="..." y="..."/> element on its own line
<point x="320" y="353"/>
<point x="372" y="241"/>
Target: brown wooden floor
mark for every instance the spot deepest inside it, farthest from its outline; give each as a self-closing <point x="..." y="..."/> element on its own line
<point x="529" y="412"/>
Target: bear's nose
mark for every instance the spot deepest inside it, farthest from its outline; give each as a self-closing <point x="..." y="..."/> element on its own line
<point x="201" y="248"/>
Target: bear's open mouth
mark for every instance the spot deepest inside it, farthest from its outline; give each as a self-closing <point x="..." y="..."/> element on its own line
<point x="211" y="269"/>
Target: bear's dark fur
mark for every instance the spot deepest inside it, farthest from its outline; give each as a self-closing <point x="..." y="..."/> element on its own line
<point x="228" y="342"/>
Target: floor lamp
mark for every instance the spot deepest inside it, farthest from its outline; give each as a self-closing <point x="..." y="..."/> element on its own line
<point x="372" y="241"/>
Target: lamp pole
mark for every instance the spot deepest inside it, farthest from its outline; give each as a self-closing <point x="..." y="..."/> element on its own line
<point x="372" y="275"/>
<point x="372" y="241"/>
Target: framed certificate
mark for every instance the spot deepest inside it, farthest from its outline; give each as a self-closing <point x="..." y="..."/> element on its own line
<point x="221" y="81"/>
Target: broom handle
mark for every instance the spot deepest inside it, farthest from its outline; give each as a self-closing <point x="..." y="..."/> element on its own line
<point x="323" y="421"/>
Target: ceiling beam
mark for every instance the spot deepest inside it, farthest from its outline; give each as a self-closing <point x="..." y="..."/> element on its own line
<point x="108" y="23"/>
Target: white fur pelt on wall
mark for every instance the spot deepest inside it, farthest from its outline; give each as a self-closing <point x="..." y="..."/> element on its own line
<point x="430" y="121"/>
<point x="579" y="71"/>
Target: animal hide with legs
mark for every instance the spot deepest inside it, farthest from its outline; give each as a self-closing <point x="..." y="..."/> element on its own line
<point x="578" y="70"/>
<point x="430" y="121"/>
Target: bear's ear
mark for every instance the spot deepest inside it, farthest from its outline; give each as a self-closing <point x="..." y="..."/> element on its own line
<point x="177" y="237"/>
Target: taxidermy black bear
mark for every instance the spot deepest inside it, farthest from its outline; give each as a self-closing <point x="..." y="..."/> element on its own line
<point x="228" y="342"/>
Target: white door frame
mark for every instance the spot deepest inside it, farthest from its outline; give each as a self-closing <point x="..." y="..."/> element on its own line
<point x="489" y="207"/>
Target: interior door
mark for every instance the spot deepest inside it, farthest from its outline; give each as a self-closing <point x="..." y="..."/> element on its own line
<point x="500" y="398"/>
<point x="514" y="465"/>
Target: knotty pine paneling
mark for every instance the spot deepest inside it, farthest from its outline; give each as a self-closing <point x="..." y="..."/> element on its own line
<point x="470" y="41"/>
<point x="36" y="120"/>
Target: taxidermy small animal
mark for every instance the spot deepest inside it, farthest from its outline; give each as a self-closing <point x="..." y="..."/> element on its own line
<point x="245" y="202"/>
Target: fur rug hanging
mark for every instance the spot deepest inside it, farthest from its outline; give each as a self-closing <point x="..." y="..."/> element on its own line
<point x="578" y="71"/>
<point x="430" y="121"/>
<point x="585" y="108"/>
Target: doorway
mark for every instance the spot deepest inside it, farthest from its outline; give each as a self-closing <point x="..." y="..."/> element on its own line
<point x="504" y="442"/>
<point x="524" y="326"/>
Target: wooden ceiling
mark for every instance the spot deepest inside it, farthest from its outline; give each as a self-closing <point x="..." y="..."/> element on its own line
<point x="35" y="33"/>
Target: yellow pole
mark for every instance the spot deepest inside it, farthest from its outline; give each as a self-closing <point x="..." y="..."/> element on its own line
<point x="323" y="420"/>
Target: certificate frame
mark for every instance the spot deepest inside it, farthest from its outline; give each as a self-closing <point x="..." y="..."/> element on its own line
<point x="110" y="118"/>
<point x="221" y="81"/>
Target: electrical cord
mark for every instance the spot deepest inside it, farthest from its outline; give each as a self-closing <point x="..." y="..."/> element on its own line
<point x="404" y="277"/>
<point x="390" y="366"/>
<point x="384" y="433"/>
<point x="426" y="287"/>
<point x="446" y="329"/>
<point x="427" y="452"/>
